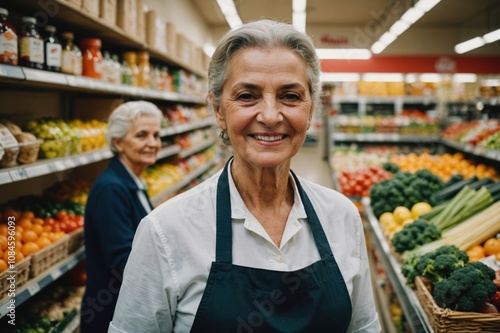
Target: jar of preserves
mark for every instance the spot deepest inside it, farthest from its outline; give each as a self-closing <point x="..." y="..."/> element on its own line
<point x="68" y="53"/>
<point x="131" y="59"/>
<point x="92" y="58"/>
<point x="30" y="45"/>
<point x="8" y="39"/>
<point x="53" y="50"/>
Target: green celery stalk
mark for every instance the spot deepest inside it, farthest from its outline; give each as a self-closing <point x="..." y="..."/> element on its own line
<point x="443" y="220"/>
<point x="481" y="200"/>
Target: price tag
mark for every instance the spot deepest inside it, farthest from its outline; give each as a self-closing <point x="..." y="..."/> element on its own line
<point x="33" y="289"/>
<point x="491" y="154"/>
<point x="5" y="178"/>
<point x="71" y="80"/>
<point x="18" y="174"/>
<point x="59" y="165"/>
<point x="37" y="170"/>
<point x="69" y="163"/>
<point x="55" y="274"/>
<point x="84" y="159"/>
<point x="12" y="72"/>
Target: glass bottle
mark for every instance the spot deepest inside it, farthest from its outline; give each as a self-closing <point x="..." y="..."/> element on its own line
<point x="31" y="45"/>
<point x="68" y="53"/>
<point x="92" y="58"/>
<point x="107" y="67"/>
<point x="77" y="61"/>
<point x="8" y="39"/>
<point x="131" y="59"/>
<point x="53" y="50"/>
<point x="144" y="77"/>
<point x="117" y="69"/>
<point x="126" y="73"/>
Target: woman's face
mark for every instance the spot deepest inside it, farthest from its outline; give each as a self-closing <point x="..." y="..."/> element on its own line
<point x="139" y="147"/>
<point x="266" y="106"/>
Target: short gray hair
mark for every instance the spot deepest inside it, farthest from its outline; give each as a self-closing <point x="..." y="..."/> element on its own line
<point x="263" y="34"/>
<point x="121" y="118"/>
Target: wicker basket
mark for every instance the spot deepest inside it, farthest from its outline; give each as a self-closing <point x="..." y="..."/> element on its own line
<point x="449" y="321"/>
<point x="22" y="274"/>
<point x="75" y="241"/>
<point x="48" y="256"/>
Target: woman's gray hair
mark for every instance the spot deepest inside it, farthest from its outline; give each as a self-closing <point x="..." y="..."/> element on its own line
<point x="121" y="118"/>
<point x="263" y="34"/>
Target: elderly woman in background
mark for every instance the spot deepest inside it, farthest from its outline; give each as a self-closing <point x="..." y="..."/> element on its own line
<point x="254" y="248"/>
<point x="116" y="204"/>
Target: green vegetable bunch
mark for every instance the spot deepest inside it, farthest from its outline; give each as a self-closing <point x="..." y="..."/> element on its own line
<point x="435" y="266"/>
<point x="414" y="234"/>
<point x="404" y="189"/>
<point x="391" y="167"/>
<point x="466" y="287"/>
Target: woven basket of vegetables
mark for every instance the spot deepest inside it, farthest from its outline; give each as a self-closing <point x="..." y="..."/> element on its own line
<point x="445" y="320"/>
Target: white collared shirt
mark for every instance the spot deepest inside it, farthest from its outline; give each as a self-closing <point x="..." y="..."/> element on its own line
<point x="174" y="246"/>
<point x="141" y="184"/>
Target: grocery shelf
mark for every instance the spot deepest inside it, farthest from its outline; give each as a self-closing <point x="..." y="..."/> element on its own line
<point x="384" y="137"/>
<point x="186" y="179"/>
<point x="176" y="129"/>
<point x="413" y="311"/>
<point x="63" y="12"/>
<point x="34" y="285"/>
<point x="169" y="151"/>
<point x="196" y="148"/>
<point x="46" y="79"/>
<point x="47" y="166"/>
<point x="475" y="150"/>
<point x="73" y="326"/>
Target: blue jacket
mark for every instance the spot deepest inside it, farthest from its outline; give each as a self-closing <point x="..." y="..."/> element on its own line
<point x="112" y="214"/>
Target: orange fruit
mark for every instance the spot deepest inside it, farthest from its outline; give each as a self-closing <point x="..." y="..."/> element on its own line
<point x="47" y="228"/>
<point x="28" y="214"/>
<point x="37" y="220"/>
<point x="4" y="229"/>
<point x="492" y="246"/>
<point x="29" y="236"/>
<point x="26" y="224"/>
<point x="43" y="242"/>
<point x="37" y="228"/>
<point x="29" y="248"/>
<point x="11" y="212"/>
<point x="19" y="256"/>
<point x="3" y="242"/>
<point x="3" y="265"/>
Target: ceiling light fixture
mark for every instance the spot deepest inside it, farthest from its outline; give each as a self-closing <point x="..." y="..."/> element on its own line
<point x="383" y="77"/>
<point x="229" y="11"/>
<point x="469" y="45"/>
<point x="464" y="77"/>
<point x="412" y="15"/>
<point x="339" y="77"/>
<point x="491" y="37"/>
<point x="299" y="14"/>
<point x="362" y="54"/>
<point x="430" y="77"/>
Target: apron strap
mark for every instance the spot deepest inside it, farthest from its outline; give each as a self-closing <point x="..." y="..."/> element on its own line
<point x="224" y="240"/>
<point x="318" y="232"/>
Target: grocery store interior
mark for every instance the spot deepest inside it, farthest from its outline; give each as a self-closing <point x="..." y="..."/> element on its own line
<point x="408" y="129"/>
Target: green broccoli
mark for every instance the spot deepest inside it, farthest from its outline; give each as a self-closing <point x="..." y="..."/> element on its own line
<point x="466" y="287"/>
<point x="414" y="234"/>
<point x="391" y="167"/>
<point x="435" y="265"/>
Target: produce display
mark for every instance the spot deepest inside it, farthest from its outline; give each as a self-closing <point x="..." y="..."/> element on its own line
<point x="358" y="183"/>
<point x="483" y="133"/>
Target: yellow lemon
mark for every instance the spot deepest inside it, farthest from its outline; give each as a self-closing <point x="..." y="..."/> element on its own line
<point x="386" y="218"/>
<point x="420" y="208"/>
<point x="401" y="214"/>
<point x="407" y="221"/>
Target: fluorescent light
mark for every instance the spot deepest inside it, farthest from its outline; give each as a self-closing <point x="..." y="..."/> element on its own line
<point x="299" y="20"/>
<point x="343" y="53"/>
<point x="464" y="77"/>
<point x="430" y="77"/>
<point x="399" y="27"/>
<point x="468" y="45"/>
<point x="387" y="38"/>
<point x="410" y="78"/>
<point x="228" y="8"/>
<point x="299" y="5"/>
<point x="491" y="82"/>
<point x="493" y="36"/>
<point x="426" y="5"/>
<point x="378" y="47"/>
<point x="383" y="77"/>
<point x="412" y="15"/>
<point x="339" y="77"/>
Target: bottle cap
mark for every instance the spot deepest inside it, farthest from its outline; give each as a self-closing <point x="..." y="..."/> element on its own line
<point x="91" y="42"/>
<point x="4" y="11"/>
<point x="28" y="19"/>
<point x="131" y="57"/>
<point x="143" y="55"/>
<point x="68" y="35"/>
<point x="50" y="28"/>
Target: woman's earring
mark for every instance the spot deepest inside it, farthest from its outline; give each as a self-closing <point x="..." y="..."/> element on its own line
<point x="223" y="135"/>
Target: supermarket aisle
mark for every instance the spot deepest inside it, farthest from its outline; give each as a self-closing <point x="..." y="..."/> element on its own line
<point x="309" y="163"/>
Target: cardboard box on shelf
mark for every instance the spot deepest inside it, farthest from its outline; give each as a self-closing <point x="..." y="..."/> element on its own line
<point x="91" y="7"/>
<point x="156" y="35"/>
<point x="107" y="11"/>
<point x="73" y="3"/>
<point x="183" y="48"/>
<point x="126" y="16"/>
<point x="141" y="20"/>
<point x="171" y="38"/>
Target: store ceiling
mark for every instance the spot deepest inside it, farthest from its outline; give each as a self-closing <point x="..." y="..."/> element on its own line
<point x="482" y="15"/>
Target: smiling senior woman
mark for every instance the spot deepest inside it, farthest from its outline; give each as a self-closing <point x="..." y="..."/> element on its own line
<point x="116" y="204"/>
<point x="254" y="248"/>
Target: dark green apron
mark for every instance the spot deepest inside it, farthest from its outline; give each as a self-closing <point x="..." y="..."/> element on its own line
<point x="245" y="299"/>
